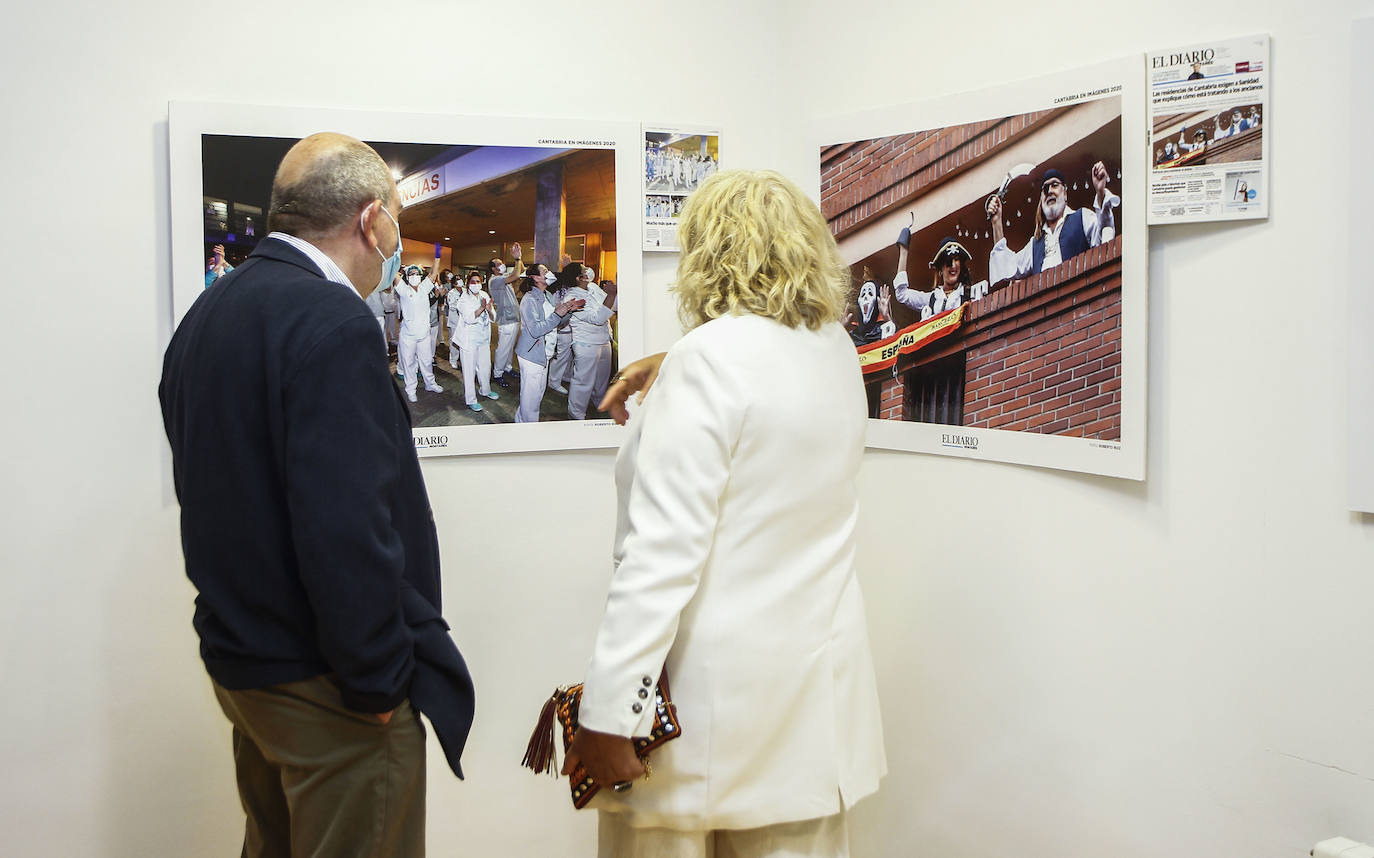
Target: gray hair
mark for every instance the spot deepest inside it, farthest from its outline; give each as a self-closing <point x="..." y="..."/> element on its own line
<point x="328" y="190"/>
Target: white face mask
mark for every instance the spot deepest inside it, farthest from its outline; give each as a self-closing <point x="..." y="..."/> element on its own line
<point x="550" y="278"/>
<point x="390" y="264"/>
<point x="413" y="279"/>
<point x="500" y="269"/>
<point x="868" y="299"/>
<point x="474" y="288"/>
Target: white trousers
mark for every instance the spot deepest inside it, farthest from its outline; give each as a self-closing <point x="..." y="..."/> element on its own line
<point x="476" y="365"/>
<point x="413" y="354"/>
<point x="506" y="335"/>
<point x="825" y="837"/>
<point x="433" y="341"/>
<point x="562" y="361"/>
<point x="392" y="327"/>
<point x="531" y="391"/>
<point x="591" y="372"/>
<point x="381" y="323"/>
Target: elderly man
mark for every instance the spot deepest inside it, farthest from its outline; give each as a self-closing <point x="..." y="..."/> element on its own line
<point x="1232" y="126"/>
<point x="1061" y="232"/>
<point x="305" y="524"/>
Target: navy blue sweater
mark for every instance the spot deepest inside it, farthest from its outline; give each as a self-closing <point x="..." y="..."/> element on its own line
<point x="303" y="511"/>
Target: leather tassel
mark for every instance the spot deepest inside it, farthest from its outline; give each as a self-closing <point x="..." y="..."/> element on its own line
<point x="539" y="752"/>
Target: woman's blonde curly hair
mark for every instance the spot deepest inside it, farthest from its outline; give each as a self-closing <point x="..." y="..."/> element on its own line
<point x="752" y="242"/>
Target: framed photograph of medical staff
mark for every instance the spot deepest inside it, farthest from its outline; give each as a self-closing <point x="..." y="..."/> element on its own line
<point x="483" y="199"/>
<point x="997" y="248"/>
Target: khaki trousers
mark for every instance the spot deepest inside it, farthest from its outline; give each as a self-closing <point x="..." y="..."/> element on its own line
<point x="826" y="837"/>
<point x="318" y="780"/>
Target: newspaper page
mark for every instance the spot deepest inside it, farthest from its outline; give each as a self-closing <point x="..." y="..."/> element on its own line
<point x="676" y="161"/>
<point x="1208" y="107"/>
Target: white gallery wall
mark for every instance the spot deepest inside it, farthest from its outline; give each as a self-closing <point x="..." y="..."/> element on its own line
<point x="1069" y="665"/>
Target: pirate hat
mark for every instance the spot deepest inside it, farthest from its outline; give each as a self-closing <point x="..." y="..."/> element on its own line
<point x="949" y="249"/>
<point x="1051" y="173"/>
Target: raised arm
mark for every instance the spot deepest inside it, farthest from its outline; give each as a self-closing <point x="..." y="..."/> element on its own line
<point x="599" y="314"/>
<point x="1101" y="226"/>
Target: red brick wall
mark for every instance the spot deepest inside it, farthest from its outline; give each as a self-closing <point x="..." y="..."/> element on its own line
<point x="1041" y="354"/>
<point x="867" y="178"/>
<point x="1044" y="354"/>
<point x="893" y="397"/>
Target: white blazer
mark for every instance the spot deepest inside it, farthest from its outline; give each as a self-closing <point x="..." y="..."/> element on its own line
<point x="734" y="557"/>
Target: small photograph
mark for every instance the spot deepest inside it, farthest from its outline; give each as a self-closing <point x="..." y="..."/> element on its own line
<point x="663" y="206"/>
<point x="474" y="220"/>
<point x="678" y="163"/>
<point x="1242" y="187"/>
<point x="1224" y="135"/>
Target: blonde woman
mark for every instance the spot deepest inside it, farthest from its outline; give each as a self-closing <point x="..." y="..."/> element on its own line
<point x="734" y="552"/>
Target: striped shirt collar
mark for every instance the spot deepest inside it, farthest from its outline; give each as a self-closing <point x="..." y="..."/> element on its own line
<point x="328" y="268"/>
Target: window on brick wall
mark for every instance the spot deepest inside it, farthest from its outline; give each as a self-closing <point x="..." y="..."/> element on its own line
<point x="935" y="392"/>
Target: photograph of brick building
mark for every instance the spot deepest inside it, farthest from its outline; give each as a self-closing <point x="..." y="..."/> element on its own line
<point x="1033" y="342"/>
<point x="1226" y="135"/>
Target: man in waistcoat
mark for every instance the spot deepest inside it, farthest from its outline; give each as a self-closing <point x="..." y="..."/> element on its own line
<point x="1061" y="231"/>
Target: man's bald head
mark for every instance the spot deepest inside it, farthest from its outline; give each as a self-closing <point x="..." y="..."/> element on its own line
<point x="322" y="184"/>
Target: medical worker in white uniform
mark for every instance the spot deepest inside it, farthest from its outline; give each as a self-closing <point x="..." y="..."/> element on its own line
<point x="560" y="362"/>
<point x="536" y="321"/>
<point x="413" y="354"/>
<point x="475" y="314"/>
<point x="455" y="327"/>
<point x="507" y="315"/>
<point x="591" y="344"/>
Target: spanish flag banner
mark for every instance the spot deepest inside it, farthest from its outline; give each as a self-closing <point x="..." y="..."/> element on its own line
<point x="876" y="357"/>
